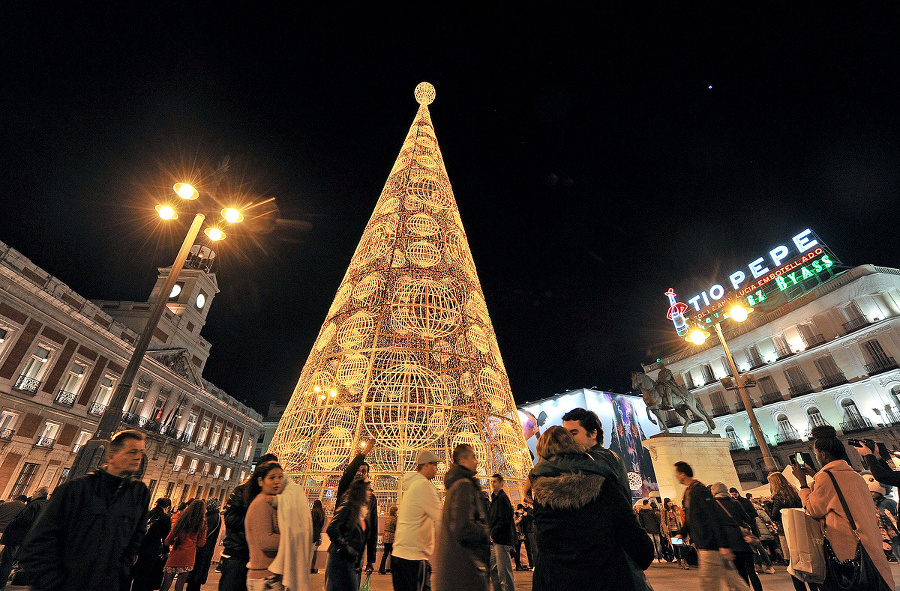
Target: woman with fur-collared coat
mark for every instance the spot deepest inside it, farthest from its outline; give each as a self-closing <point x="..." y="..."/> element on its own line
<point x="585" y="525"/>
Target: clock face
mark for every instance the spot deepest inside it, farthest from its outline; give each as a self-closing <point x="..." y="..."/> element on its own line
<point x="176" y="289"/>
<point x="201" y="301"/>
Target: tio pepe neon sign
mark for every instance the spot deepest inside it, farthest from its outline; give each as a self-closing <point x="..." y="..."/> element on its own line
<point x="802" y="242"/>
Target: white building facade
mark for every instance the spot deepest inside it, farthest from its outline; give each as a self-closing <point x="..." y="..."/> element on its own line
<point x="827" y="357"/>
<point x="61" y="357"/>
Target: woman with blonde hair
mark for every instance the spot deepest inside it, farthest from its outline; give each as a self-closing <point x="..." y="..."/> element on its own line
<point x="585" y="525"/>
<point x="785" y="496"/>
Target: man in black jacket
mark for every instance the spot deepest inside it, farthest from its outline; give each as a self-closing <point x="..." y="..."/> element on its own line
<point x="358" y="469"/>
<point x="503" y="534"/>
<point x="18" y="528"/>
<point x="89" y="534"/>
<point x="236" y="553"/>
<point x="703" y="522"/>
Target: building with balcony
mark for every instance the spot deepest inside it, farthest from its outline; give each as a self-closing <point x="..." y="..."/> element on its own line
<point x="827" y="357"/>
<point x="61" y="357"/>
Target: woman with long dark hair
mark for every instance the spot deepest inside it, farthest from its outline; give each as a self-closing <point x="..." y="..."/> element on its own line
<point x="261" y="527"/>
<point x="205" y="552"/>
<point x="188" y="533"/>
<point x="347" y="532"/>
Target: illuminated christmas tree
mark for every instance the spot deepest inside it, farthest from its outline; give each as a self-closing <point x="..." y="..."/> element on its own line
<point x="407" y="354"/>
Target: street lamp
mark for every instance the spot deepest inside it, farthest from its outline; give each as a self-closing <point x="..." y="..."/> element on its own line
<point x="698" y="336"/>
<point x="91" y="454"/>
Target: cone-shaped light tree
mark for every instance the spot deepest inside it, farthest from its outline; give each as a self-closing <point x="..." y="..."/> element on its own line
<point x="407" y="355"/>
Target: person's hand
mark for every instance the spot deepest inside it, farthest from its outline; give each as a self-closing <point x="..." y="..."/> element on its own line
<point x="799" y="473"/>
<point x="366" y="445"/>
<point x="370" y="567"/>
<point x="863" y="449"/>
<point x="680" y="537"/>
<point x="726" y="553"/>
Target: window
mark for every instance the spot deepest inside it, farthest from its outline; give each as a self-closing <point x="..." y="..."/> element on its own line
<point x="199" y="493"/>
<point x="216" y="432"/>
<point x="136" y="401"/>
<point x="217" y="471"/>
<point x="179" y="460"/>
<point x="205" y="468"/>
<point x="104" y="391"/>
<point x="729" y="432"/>
<point x="829" y="370"/>
<point x="226" y="440"/>
<point x="815" y="417"/>
<point x="753" y="357"/>
<point x="24" y="479"/>
<point x="809" y="336"/>
<point x="169" y="488"/>
<point x="874" y="350"/>
<point x="158" y="407"/>
<point x="767" y="386"/>
<point x="707" y="373"/>
<point x="8" y="420"/>
<point x="48" y="435"/>
<point x="73" y="379"/>
<point x="64" y="475"/>
<point x="786" y="431"/>
<point x="247" y="453"/>
<point x="717" y="399"/>
<point x="3" y="335"/>
<point x="688" y="381"/>
<point x="726" y="366"/>
<point x="781" y="346"/>
<point x="83" y="438"/>
<point x="189" y="426"/>
<point x="797" y="382"/>
<point x="193" y="467"/>
<point x="35" y="365"/>
<point x="235" y="446"/>
<point x="851" y="412"/>
<point x="228" y="473"/>
<point x="184" y="493"/>
<point x="204" y="429"/>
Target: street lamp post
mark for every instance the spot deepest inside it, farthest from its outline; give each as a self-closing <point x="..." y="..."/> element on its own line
<point x="739" y="314"/>
<point x="91" y="454"/>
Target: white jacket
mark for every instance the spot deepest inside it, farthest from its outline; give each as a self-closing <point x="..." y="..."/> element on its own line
<point x="418" y="517"/>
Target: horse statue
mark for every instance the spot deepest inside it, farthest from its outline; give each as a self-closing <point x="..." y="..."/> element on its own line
<point x="669" y="396"/>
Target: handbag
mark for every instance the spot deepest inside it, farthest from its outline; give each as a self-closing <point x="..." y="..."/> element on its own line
<point x="366" y="584"/>
<point x="746" y="532"/>
<point x="859" y="573"/>
<point x="802" y="543"/>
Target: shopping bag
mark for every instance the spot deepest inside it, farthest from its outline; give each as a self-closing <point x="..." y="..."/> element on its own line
<point x="366" y="583"/>
<point x="805" y="541"/>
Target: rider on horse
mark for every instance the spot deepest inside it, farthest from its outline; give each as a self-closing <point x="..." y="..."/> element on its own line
<point x="666" y="385"/>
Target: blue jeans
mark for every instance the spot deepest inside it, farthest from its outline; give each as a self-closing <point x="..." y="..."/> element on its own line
<point x="234" y="574"/>
<point x="501" y="568"/>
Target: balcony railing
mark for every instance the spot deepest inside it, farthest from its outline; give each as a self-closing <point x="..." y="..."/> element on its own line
<point x="770" y="397"/>
<point x="801" y="389"/>
<point x="96" y="408"/>
<point x="46" y="442"/>
<point x="833" y="380"/>
<point x="26" y="384"/>
<point x="752" y="443"/>
<point x="891" y="417"/>
<point x="176" y="468"/>
<point x="854" y="425"/>
<point x="7" y="434"/>
<point x="786" y="435"/>
<point x="816" y="341"/>
<point x="783" y="354"/>
<point x="718" y="411"/>
<point x="736" y="446"/>
<point x="756" y="363"/>
<point x="881" y="365"/>
<point x="129" y="418"/>
<point x="855" y="324"/>
<point x="65" y="398"/>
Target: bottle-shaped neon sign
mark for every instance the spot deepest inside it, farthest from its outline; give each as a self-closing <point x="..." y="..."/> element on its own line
<point x="676" y="313"/>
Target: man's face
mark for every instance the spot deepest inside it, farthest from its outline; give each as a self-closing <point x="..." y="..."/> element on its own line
<point x="128" y="459"/>
<point x="496" y="484"/>
<point x="681" y="478"/>
<point x="582" y="438"/>
<point x="734" y="495"/>
<point x="362" y="473"/>
<point x="429" y="470"/>
<point x="470" y="462"/>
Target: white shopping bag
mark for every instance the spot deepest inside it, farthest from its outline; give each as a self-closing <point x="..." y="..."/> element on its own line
<point x="805" y="541"/>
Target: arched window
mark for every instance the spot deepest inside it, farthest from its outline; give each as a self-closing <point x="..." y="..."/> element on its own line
<point x="735" y="442"/>
<point x="815" y="417"/>
<point x="895" y="393"/>
<point x="853" y="419"/>
<point x="786" y="431"/>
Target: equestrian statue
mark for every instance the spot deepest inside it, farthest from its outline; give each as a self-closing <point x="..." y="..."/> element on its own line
<point x="667" y="394"/>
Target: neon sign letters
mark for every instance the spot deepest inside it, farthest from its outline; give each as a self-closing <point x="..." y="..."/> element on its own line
<point x="802" y="242"/>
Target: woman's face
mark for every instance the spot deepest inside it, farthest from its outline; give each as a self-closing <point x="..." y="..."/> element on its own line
<point x="271" y="484"/>
<point x="368" y="495"/>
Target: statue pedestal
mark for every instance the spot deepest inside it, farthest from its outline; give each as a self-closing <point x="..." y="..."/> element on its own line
<point x="708" y="455"/>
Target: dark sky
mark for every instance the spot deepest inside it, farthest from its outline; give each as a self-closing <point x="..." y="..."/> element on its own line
<point x="593" y="165"/>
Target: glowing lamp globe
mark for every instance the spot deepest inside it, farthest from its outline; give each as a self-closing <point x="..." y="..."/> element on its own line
<point x="698" y="337"/>
<point x="232" y="216"/>
<point x="214" y="234"/>
<point x="166" y="212"/>
<point x="186" y="191"/>
<point x="739" y="313"/>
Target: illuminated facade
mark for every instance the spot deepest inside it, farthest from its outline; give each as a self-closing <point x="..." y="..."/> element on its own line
<point x="826" y="354"/>
<point x="407" y="355"/>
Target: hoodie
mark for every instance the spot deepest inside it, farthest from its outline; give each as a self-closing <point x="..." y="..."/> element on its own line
<point x="418" y="517"/>
<point x="463" y="548"/>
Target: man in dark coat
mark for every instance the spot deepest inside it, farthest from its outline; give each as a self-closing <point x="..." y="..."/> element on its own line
<point x="585" y="427"/>
<point x="650" y="521"/>
<point x="18" y="528"/>
<point x="503" y="536"/>
<point x="463" y="546"/>
<point x="704" y="524"/>
<point x="147" y="572"/>
<point x="236" y="553"/>
<point x="358" y="469"/>
<point x="10" y="509"/>
<point x="87" y="538"/>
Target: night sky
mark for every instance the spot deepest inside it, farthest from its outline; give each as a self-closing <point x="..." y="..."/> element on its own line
<point x="598" y="157"/>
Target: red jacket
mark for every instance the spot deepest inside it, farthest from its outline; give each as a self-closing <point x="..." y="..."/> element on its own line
<point x="184" y="548"/>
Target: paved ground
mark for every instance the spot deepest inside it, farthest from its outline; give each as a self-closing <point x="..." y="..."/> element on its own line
<point x="663" y="577"/>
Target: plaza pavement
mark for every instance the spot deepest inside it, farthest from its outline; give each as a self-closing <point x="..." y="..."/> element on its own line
<point x="663" y="577"/>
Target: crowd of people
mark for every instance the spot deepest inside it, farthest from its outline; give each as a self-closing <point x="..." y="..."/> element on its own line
<point x="576" y="524"/>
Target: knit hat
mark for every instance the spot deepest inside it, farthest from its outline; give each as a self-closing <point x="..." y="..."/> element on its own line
<point x="823" y="432"/>
<point x="426" y="457"/>
<point x="874" y="485"/>
<point x="212" y="504"/>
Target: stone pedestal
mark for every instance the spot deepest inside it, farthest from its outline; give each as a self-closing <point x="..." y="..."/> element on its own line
<point x="708" y="455"/>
